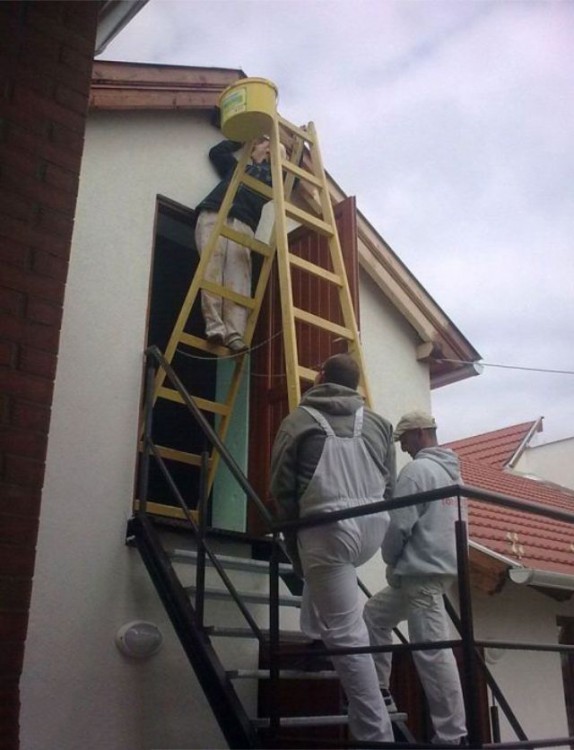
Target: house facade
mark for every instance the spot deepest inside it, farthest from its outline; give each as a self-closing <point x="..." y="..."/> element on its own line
<point x="523" y="579"/>
<point x="46" y="58"/>
<point x="145" y="167"/>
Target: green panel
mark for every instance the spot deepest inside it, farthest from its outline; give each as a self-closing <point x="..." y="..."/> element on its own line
<point x="229" y="500"/>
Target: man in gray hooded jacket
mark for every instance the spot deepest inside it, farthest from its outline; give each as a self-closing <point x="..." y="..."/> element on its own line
<point x="420" y="552"/>
<point x="332" y="453"/>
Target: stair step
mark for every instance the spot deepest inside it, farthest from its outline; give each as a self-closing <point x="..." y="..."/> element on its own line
<point x="253" y="597"/>
<point x="303" y="721"/>
<point x="316" y="721"/>
<point x="293" y="636"/>
<point x="284" y="674"/>
<point x="228" y="562"/>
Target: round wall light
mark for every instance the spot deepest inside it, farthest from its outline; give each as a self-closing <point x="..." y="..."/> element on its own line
<point x="139" y="639"/>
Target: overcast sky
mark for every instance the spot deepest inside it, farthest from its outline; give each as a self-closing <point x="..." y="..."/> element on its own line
<point x="452" y="121"/>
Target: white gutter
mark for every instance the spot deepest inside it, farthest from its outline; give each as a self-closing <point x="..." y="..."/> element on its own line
<point x="544" y="578"/>
<point x="517" y="573"/>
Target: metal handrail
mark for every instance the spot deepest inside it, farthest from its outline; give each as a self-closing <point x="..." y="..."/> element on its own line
<point x="471" y="655"/>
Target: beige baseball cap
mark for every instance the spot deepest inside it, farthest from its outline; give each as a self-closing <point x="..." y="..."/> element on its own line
<point x="414" y="420"/>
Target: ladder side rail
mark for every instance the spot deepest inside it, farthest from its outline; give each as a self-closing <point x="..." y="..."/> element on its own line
<point x="265" y="272"/>
<point x="199" y="275"/>
<point x="284" y="271"/>
<point x="339" y="267"/>
<point x="225" y="419"/>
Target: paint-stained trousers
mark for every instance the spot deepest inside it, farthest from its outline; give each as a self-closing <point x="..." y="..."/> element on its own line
<point x="329" y="555"/>
<point x="419" y="600"/>
<point x="229" y="266"/>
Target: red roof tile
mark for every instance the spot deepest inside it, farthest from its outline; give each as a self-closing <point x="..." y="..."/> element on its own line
<point x="531" y="540"/>
<point x="494" y="448"/>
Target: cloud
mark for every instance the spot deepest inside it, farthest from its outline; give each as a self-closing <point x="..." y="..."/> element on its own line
<point x="452" y="123"/>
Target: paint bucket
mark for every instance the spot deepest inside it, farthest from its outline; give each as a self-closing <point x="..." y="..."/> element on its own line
<point x="248" y="108"/>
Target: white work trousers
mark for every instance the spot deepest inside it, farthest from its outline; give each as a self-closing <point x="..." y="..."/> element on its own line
<point x="419" y="601"/>
<point x="331" y="610"/>
<point x="229" y="266"/>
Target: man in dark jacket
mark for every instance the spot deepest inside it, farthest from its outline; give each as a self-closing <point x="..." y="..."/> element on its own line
<point x="230" y="263"/>
<point x="333" y="453"/>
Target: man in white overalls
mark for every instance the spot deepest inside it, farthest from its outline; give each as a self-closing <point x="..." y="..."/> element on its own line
<point x="332" y="453"/>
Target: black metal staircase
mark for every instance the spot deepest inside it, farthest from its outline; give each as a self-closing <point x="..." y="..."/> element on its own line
<point x="187" y="595"/>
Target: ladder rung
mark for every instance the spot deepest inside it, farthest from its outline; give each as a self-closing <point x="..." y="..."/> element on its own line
<point x="197" y="343"/>
<point x="295" y="260"/>
<point x="307" y="374"/>
<point x="223" y="291"/>
<point x="284" y="674"/>
<point x="300" y="132"/>
<point x="202" y="403"/>
<point x="257" y="186"/>
<point x="304" y="217"/>
<point x="244" y="239"/>
<point x="171" y="454"/>
<point x="304" y="174"/>
<point x="318" y="322"/>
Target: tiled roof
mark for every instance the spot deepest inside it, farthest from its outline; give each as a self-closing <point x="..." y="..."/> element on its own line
<point x="493" y="448"/>
<point x="531" y="540"/>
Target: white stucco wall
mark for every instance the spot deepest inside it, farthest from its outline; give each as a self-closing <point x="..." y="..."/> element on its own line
<point x="77" y="689"/>
<point x="531" y="681"/>
<point x="551" y="461"/>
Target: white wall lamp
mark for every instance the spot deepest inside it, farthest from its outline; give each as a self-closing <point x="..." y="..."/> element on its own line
<point x="139" y="639"/>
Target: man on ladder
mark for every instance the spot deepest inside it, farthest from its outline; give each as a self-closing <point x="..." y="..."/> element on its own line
<point x="230" y="262"/>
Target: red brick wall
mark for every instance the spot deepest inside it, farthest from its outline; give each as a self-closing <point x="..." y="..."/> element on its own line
<point x="46" y="53"/>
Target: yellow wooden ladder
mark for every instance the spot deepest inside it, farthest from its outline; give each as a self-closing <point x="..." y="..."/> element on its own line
<point x="303" y="164"/>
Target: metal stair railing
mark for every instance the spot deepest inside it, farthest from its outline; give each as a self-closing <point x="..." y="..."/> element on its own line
<point x="239" y="729"/>
<point x="472" y="659"/>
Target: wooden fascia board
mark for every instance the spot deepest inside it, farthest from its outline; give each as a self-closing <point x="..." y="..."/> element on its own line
<point x="419" y="308"/>
<point x="487" y="574"/>
<point x="130" y="86"/>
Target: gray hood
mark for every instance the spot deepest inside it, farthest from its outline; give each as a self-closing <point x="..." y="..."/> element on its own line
<point x="444" y="457"/>
<point x="332" y="399"/>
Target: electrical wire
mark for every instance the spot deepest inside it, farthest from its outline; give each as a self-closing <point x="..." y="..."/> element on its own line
<point x="507" y="367"/>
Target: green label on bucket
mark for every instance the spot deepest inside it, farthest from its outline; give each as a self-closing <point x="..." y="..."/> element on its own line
<point x="233" y="103"/>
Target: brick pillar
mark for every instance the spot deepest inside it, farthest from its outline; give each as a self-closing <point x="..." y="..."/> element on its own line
<point x="46" y="55"/>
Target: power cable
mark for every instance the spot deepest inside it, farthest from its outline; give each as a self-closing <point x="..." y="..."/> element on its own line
<point x="507" y="367"/>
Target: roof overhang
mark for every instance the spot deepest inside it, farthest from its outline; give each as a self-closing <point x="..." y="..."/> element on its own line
<point x="490" y="571"/>
<point x="113" y="16"/>
<point x="544" y="579"/>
